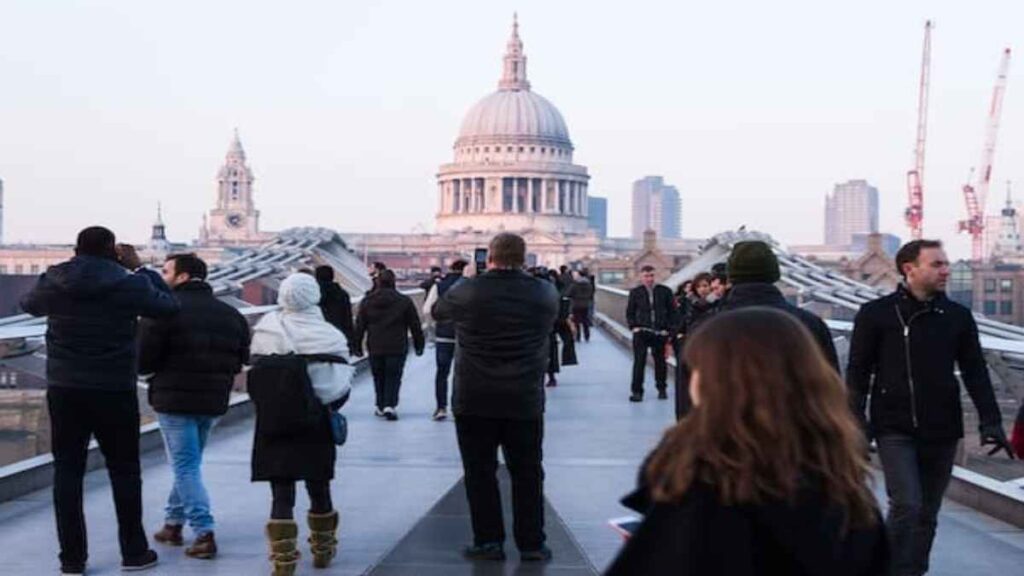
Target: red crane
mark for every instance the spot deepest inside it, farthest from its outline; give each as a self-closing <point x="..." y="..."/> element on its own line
<point x="914" y="214"/>
<point x="975" y="196"/>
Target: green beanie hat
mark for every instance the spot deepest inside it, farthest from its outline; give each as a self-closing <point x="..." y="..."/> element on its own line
<point x="753" y="261"/>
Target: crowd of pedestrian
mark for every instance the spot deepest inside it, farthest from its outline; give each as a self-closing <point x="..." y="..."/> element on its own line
<point x="766" y="470"/>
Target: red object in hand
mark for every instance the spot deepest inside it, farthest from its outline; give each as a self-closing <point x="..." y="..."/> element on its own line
<point x="1017" y="439"/>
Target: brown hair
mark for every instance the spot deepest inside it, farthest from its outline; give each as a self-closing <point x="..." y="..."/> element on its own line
<point x="508" y="250"/>
<point x="772" y="415"/>
<point x="909" y="252"/>
<point x="647" y="268"/>
<point x="702" y="277"/>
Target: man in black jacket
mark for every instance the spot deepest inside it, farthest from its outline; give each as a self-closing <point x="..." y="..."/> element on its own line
<point x="386" y="318"/>
<point x="503" y="322"/>
<point x="92" y="304"/>
<point x="902" y="355"/>
<point x="334" y="301"/>
<point x="193" y="358"/>
<point x="444" y="336"/>
<point x="753" y="270"/>
<point x="650" y="314"/>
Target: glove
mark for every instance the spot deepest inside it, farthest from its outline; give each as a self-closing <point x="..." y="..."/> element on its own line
<point x="993" y="435"/>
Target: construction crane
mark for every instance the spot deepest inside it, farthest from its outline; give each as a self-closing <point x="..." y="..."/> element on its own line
<point x="975" y="195"/>
<point x="914" y="214"/>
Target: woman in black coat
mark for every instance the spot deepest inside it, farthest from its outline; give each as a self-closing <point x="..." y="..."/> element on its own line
<point x="767" y="475"/>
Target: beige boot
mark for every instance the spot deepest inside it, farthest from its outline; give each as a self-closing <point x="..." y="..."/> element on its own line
<point x="282" y="535"/>
<point x="322" y="540"/>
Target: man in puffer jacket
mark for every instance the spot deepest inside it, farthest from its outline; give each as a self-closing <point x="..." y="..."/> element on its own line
<point x="92" y="304"/>
<point x="193" y="358"/>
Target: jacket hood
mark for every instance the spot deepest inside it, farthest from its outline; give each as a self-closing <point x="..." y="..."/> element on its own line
<point x="382" y="298"/>
<point x="752" y="294"/>
<point x="86" y="275"/>
<point x="194" y="286"/>
<point x="298" y="292"/>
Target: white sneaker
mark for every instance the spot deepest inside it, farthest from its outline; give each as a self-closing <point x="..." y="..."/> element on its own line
<point x="390" y="413"/>
<point x="378" y="412"/>
<point x="440" y="414"/>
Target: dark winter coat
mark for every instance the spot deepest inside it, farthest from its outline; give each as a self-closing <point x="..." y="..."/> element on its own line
<point x="902" y="355"/>
<point x="638" y="309"/>
<point x="194" y="355"/>
<point x="503" y="322"/>
<point x="337" y="307"/>
<point x="761" y="294"/>
<point x="582" y="294"/>
<point x="700" y="536"/>
<point x="92" y="307"/>
<point x="446" y="329"/>
<point x="386" y="318"/>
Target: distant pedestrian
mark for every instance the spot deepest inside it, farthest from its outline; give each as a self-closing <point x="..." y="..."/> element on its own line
<point x="92" y="304"/>
<point x="283" y="453"/>
<point x="193" y="358"/>
<point x="432" y="280"/>
<point x="904" y="353"/>
<point x="692" y="309"/>
<point x="651" y="316"/>
<point x="386" y="319"/>
<point x="444" y="336"/>
<point x="753" y="271"/>
<point x="335" y="302"/>
<point x="374" y="272"/>
<point x="768" y="475"/>
<point x="503" y="322"/>
<point x="581" y="292"/>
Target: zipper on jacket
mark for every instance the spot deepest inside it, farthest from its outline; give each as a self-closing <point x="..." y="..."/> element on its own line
<point x="906" y="355"/>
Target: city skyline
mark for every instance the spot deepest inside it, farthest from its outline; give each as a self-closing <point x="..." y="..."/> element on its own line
<point x="753" y="120"/>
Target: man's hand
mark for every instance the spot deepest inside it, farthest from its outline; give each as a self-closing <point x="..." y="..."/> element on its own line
<point x="635" y="330"/>
<point x="993" y="435"/>
<point x="419" y="351"/>
<point x="128" y="257"/>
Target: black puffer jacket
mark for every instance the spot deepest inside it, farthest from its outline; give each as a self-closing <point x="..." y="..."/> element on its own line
<point x="582" y="294"/>
<point x="386" y="318"/>
<point x="503" y="322"/>
<point x="909" y="348"/>
<point x="194" y="355"/>
<point x="760" y="294"/>
<point x="700" y="536"/>
<point x="336" y="307"/>
<point x="92" y="307"/>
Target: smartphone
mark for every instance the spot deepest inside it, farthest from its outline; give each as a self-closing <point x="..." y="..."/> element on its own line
<point x="626" y="526"/>
<point x="480" y="260"/>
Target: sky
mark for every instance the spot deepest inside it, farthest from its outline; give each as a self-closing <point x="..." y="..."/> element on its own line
<point x="754" y="110"/>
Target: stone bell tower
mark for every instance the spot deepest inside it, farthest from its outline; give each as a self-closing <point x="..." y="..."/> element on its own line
<point x="235" y="220"/>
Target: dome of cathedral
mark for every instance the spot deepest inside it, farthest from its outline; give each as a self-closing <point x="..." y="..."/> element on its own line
<point x="514" y="114"/>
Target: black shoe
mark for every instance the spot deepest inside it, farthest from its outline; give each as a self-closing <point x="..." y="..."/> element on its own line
<point x="662" y="394"/>
<point x="542" y="554"/>
<point x="494" y="552"/>
<point x="143" y="562"/>
<point x="390" y="414"/>
<point x="636" y="397"/>
<point x="72" y="569"/>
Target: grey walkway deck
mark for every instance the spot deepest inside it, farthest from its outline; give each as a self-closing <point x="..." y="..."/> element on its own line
<point x="391" y="475"/>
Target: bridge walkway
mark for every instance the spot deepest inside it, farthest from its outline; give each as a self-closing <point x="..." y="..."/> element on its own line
<point x="394" y="477"/>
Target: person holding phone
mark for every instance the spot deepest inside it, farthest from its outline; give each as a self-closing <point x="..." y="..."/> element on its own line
<point x="92" y="304"/>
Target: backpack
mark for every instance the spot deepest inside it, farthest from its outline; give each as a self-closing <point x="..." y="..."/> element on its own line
<point x="282" y="393"/>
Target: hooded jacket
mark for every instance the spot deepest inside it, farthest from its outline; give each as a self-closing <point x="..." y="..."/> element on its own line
<point x="763" y="294"/>
<point x="582" y="294"/>
<point x="299" y="327"/>
<point x="385" y="318"/>
<point x="336" y="307"/>
<point x="700" y="536"/>
<point x="194" y="355"/>
<point x="92" y="306"/>
<point x="902" y="355"/>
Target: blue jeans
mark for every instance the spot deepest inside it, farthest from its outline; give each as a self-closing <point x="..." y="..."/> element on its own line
<point x="917" y="473"/>
<point x="185" y="438"/>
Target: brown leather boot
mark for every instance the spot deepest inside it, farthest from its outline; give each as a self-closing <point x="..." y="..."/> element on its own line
<point x="322" y="540"/>
<point x="203" y="547"/>
<point x="282" y="535"/>
<point x="170" y="534"/>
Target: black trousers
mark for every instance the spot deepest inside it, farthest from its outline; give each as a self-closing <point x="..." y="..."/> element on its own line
<point x="445" y="354"/>
<point x="387" y="378"/>
<point x="917" y="473"/>
<point x="642" y="342"/>
<point x="76" y="415"/>
<point x="521" y="442"/>
<point x="283" y="493"/>
<point x="581" y="318"/>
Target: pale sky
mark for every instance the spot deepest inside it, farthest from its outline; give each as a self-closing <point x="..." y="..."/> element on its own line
<point x="753" y="109"/>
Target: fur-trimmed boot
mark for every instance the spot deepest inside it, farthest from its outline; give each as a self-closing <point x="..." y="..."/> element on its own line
<point x="282" y="535"/>
<point x="323" y="542"/>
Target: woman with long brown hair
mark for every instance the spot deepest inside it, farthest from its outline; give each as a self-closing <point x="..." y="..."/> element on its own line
<point x="768" y="474"/>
